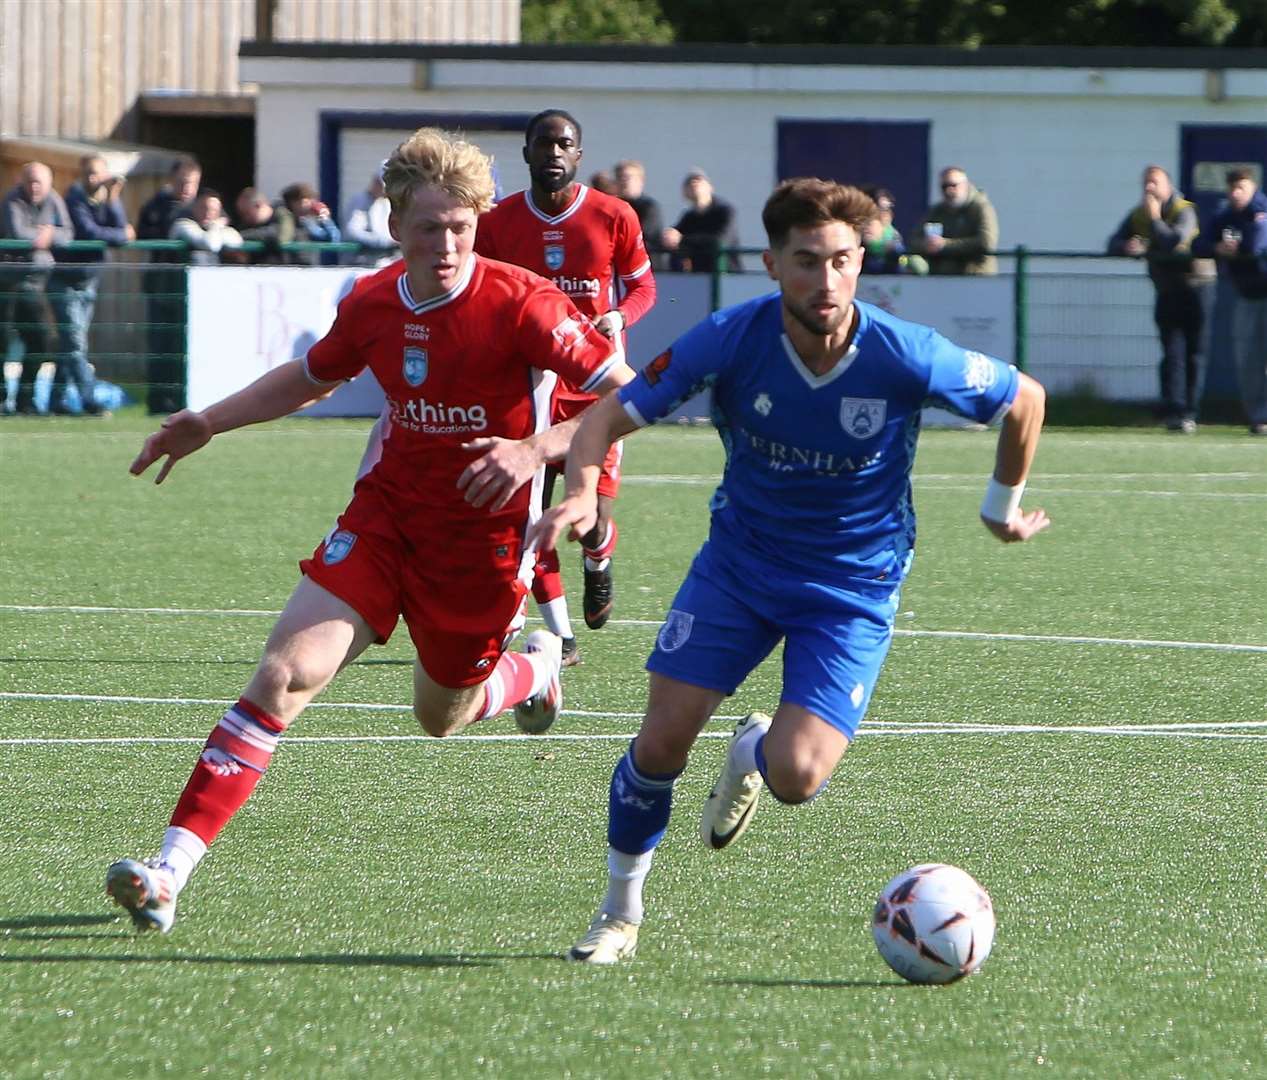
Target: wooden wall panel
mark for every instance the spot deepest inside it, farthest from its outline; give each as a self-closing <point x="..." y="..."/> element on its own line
<point x="72" y="69"/>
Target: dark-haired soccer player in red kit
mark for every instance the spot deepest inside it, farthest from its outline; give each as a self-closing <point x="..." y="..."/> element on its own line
<point x="582" y="240"/>
<point x="435" y="531"/>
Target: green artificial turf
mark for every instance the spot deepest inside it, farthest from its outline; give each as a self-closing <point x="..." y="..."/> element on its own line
<point x="1080" y="722"/>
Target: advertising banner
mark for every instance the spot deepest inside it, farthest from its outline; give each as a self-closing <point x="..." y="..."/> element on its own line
<point x="246" y="320"/>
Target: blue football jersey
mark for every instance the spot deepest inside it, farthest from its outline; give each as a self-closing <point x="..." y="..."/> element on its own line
<point x="817" y="476"/>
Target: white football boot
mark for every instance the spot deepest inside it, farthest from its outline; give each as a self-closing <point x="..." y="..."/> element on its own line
<point x="731" y="804"/>
<point x="534" y="715"/>
<point x="147" y="889"/>
<point x="607" y="941"/>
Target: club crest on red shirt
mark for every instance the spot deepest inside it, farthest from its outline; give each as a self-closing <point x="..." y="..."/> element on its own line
<point x="415" y="365"/>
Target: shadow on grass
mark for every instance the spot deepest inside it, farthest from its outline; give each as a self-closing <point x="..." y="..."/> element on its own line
<point x="385" y="960"/>
<point x="79" y="661"/>
<point x="35" y="922"/>
<point x="817" y="984"/>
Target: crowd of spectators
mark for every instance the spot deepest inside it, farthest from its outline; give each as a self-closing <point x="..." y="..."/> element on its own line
<point x="958" y="236"/>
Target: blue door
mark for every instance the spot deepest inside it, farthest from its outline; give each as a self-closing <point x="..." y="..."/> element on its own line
<point x="890" y="154"/>
<point x="1206" y="152"/>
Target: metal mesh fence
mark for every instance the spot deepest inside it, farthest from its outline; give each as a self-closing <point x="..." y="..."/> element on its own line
<point x="1085" y="325"/>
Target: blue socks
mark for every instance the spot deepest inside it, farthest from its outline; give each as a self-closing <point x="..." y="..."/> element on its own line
<point x="638" y="807"/>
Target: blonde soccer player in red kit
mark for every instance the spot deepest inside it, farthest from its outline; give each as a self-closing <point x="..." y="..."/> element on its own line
<point x="584" y="242"/>
<point x="466" y="350"/>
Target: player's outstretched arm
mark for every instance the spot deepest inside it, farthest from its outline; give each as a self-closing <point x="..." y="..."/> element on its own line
<point x="507" y="464"/>
<point x="274" y="394"/>
<point x="1001" y="511"/>
<point x="601" y="424"/>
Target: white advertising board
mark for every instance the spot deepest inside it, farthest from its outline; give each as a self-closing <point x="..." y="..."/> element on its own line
<point x="246" y="320"/>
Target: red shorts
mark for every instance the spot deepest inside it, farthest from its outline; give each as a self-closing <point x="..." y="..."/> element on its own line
<point x="609" y="478"/>
<point x="461" y="592"/>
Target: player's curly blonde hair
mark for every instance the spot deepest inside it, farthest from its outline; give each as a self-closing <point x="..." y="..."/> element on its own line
<point x="434" y="158"/>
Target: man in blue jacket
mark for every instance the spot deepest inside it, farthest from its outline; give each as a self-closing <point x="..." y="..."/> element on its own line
<point x="96" y="213"/>
<point x="1237" y="237"/>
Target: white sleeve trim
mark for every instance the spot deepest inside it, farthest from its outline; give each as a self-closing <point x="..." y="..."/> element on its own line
<point x="321" y="382"/>
<point x="637" y="273"/>
<point x="1003" y="409"/>
<point x="601" y="373"/>
<point x="631" y="410"/>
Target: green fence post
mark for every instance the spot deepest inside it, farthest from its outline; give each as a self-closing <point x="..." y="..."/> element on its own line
<point x="718" y="269"/>
<point x="1020" y="304"/>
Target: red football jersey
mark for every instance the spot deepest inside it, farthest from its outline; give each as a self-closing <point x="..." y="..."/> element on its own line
<point x="580" y="250"/>
<point x="468" y="364"/>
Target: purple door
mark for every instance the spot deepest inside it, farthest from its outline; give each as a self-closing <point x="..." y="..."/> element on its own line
<point x="888" y="153"/>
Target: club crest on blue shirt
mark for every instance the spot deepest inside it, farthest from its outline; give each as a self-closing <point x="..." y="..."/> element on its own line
<point x="338" y="546"/>
<point x="554" y="256"/>
<point x="675" y="631"/>
<point x="862" y="417"/>
<point x="415" y="366"/>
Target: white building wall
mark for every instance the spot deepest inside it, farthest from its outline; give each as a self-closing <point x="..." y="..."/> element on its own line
<point x="1059" y="151"/>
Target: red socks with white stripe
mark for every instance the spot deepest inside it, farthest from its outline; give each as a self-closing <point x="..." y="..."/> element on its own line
<point x="231" y="764"/>
<point x="516" y="678"/>
<point x="597" y="556"/>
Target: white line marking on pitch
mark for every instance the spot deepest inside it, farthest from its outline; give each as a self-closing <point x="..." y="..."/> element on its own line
<point x="949" y="729"/>
<point x="971" y="635"/>
<point x="1195" y="729"/>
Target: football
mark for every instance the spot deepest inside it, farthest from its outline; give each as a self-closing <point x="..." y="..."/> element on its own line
<point x="933" y="924"/>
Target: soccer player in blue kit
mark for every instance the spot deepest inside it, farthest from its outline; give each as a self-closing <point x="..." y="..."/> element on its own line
<point x="817" y="399"/>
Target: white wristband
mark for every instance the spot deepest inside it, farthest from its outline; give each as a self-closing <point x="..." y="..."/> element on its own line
<point x="1001" y="501"/>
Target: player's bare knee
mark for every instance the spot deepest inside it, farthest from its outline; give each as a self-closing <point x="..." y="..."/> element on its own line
<point x="440" y="722"/>
<point x="436" y="723"/>
<point x="795" y="778"/>
<point x="660" y="751"/>
<point x="282" y="675"/>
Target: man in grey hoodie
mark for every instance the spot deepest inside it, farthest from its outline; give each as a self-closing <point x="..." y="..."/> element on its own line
<point x="33" y="212"/>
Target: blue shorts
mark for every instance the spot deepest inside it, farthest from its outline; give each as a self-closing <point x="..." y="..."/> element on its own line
<point x="726" y="619"/>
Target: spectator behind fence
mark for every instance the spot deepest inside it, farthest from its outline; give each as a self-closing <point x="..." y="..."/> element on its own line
<point x="884" y="252"/>
<point x="259" y="220"/>
<point x="958" y="233"/>
<point x="312" y="220"/>
<point x="33" y="212"/>
<point x="365" y="223"/>
<point x="1163" y="227"/>
<point x="631" y="179"/>
<point x="1237" y="237"/>
<point x="165" y="289"/>
<point x="203" y="226"/>
<point x="96" y="213"/>
<point x="703" y="230"/>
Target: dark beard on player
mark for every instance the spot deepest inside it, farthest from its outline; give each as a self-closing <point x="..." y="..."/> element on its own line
<point x="820" y="327"/>
<point x="554" y="184"/>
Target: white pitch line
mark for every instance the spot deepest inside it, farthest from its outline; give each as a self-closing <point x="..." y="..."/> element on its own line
<point x="872" y="727"/>
<point x="1001" y="729"/>
<point x="971" y="635"/>
<point x="85" y="609"/>
<point x="1038" y="486"/>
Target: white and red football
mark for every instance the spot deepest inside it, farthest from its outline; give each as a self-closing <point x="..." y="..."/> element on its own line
<point x="934" y="924"/>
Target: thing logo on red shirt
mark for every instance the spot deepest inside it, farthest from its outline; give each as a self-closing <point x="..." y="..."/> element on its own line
<point x="657" y="367"/>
